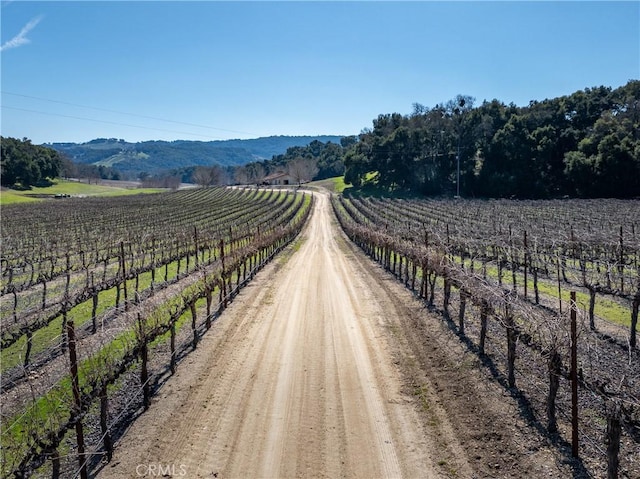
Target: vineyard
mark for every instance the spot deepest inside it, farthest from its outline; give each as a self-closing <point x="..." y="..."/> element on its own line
<point x="546" y="293"/>
<point x="101" y="298"/>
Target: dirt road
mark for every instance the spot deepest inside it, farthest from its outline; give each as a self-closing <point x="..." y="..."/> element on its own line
<point x="296" y="381"/>
<point x="325" y="367"/>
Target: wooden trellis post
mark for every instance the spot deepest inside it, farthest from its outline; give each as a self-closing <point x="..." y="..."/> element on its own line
<point x="574" y="377"/>
<point x="77" y="406"/>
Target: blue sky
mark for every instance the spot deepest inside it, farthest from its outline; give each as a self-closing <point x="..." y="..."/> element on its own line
<point x="74" y="71"/>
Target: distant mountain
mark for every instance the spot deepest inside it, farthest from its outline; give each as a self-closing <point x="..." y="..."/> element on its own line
<point x="157" y="156"/>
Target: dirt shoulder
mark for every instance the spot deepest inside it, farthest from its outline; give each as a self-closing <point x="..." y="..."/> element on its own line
<point x="324" y="366"/>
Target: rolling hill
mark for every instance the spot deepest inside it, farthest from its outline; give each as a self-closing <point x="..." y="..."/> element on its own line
<point x="157" y="156"/>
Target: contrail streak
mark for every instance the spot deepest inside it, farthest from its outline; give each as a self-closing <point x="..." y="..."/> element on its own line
<point x="21" y="38"/>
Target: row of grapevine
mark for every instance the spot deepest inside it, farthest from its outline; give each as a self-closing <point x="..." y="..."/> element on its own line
<point x="529" y="340"/>
<point x="40" y="303"/>
<point x="49" y="408"/>
<point x="90" y="236"/>
<point x="524" y="240"/>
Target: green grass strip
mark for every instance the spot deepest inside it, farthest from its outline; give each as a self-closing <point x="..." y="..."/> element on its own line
<point x="44" y="338"/>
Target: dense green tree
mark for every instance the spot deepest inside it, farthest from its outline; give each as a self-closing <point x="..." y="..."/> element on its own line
<point x="328" y="157"/>
<point x="585" y="144"/>
<point x="356" y="164"/>
<point x="330" y="162"/>
<point x="25" y="164"/>
<point x="607" y="162"/>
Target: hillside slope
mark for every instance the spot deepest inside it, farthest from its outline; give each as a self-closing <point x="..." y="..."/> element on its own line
<point x="156" y="156"/>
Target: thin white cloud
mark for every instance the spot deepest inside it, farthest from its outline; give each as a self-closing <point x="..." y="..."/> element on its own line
<point x="21" y="38"/>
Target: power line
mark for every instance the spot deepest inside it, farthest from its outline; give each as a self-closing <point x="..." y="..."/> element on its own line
<point x="124" y="113"/>
<point x="109" y="122"/>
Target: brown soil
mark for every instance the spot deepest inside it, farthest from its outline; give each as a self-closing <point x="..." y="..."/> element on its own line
<point x="325" y="366"/>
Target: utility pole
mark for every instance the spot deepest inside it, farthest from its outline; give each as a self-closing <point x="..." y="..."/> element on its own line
<point x="458" y="170"/>
<point x="461" y="103"/>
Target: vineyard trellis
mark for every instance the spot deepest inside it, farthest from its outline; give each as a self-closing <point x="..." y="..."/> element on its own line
<point x="101" y="297"/>
<point x="495" y="253"/>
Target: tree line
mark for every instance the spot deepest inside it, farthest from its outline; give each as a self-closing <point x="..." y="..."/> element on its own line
<point x="586" y="144"/>
<point x="25" y="164"/>
<point x="316" y="161"/>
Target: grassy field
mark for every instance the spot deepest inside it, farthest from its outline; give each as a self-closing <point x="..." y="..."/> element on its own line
<point x="368" y="188"/>
<point x="335" y="185"/>
<point x="10" y="197"/>
<point x="65" y="187"/>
